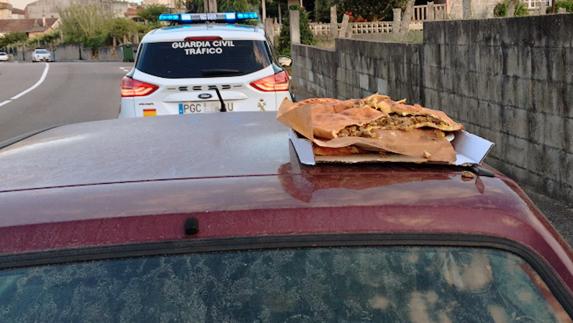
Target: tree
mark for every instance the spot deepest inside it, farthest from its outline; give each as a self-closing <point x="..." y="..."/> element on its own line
<point x="12" y="39"/>
<point x="120" y="28"/>
<point x="322" y="10"/>
<point x="504" y="8"/>
<point x="370" y="9"/>
<point x="567" y="4"/>
<point x="49" y="39"/>
<point x="306" y="36"/>
<point x="86" y="24"/>
<point x="238" y="5"/>
<point x="151" y="12"/>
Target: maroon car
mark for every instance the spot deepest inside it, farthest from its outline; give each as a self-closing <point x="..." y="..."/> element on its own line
<point x="212" y="218"/>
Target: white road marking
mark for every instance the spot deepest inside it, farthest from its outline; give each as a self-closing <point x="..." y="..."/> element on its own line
<point x="5" y="102"/>
<point x="125" y="69"/>
<point x="40" y="81"/>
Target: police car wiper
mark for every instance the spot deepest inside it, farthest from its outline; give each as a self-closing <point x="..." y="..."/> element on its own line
<point x="219" y="71"/>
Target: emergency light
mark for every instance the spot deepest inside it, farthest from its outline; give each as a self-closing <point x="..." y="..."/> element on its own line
<point x="189" y="18"/>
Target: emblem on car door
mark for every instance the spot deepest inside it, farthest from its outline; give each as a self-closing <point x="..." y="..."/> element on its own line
<point x="205" y="96"/>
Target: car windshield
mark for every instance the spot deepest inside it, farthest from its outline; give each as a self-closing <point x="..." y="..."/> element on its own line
<point x="41" y="51"/>
<point x="374" y="284"/>
<point x="203" y="59"/>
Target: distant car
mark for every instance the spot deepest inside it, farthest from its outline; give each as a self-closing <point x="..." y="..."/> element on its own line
<point x="212" y="218"/>
<point x="207" y="67"/>
<point x="4" y="57"/>
<point x="42" y="55"/>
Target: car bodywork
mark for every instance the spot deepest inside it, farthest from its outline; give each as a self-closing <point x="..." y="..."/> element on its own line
<point x="110" y="189"/>
<point x="171" y="93"/>
<point x="41" y="55"/>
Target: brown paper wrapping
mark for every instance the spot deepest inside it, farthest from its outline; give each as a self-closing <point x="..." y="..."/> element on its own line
<point x="417" y="145"/>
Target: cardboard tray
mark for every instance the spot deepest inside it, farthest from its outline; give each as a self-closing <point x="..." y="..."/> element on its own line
<point x="470" y="150"/>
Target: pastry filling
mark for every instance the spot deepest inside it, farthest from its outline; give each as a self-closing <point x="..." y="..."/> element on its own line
<point x="392" y="122"/>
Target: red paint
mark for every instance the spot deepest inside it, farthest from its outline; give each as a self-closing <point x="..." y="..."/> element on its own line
<point x="320" y="200"/>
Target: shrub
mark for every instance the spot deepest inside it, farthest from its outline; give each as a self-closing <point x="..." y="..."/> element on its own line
<point x="501" y="9"/>
<point x="567" y="4"/>
<point x="12" y="39"/>
<point x="306" y="36"/>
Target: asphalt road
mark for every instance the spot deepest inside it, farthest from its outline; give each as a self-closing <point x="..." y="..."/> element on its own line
<point x="69" y="93"/>
<point x="76" y="92"/>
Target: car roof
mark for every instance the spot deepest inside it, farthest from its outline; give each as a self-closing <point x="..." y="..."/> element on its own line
<point x="127" y="150"/>
<point x="227" y="31"/>
<point x="133" y="181"/>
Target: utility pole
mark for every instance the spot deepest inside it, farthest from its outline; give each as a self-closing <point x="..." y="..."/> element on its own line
<point x="264" y="11"/>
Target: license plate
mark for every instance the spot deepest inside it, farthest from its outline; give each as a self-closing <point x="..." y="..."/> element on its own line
<point x="202" y="107"/>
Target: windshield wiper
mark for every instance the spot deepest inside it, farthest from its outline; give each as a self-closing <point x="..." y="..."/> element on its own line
<point x="219" y="71"/>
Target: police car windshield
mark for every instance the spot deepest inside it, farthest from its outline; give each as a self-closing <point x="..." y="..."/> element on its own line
<point x="203" y="59"/>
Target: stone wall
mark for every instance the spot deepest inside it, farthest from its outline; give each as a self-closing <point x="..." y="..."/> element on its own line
<point x="358" y="68"/>
<point x="508" y="80"/>
<point x="71" y="53"/>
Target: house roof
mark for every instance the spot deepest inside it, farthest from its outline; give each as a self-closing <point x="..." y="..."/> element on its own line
<point x="16" y="11"/>
<point x="25" y="25"/>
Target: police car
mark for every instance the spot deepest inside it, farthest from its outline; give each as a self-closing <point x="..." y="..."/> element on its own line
<point x="203" y="63"/>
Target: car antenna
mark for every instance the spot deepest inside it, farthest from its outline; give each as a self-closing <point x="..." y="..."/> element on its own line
<point x="223" y="107"/>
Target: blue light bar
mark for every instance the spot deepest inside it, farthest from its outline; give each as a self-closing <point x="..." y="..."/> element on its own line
<point x="188" y="18"/>
<point x="169" y="17"/>
<point x="247" y="15"/>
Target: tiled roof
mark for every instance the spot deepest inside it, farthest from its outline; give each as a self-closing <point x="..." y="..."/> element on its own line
<point x="16" y="11"/>
<point x="25" y="25"/>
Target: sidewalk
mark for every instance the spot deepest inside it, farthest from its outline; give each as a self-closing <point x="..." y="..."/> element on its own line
<point x="559" y="213"/>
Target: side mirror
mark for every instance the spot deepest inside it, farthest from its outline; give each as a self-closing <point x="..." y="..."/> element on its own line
<point x="285" y="61"/>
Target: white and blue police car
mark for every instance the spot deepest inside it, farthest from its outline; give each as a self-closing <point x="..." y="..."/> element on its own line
<point x="203" y="63"/>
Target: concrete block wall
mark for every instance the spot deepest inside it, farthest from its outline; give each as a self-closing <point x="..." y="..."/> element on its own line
<point x="368" y="67"/>
<point x="508" y="80"/>
<point x="511" y="81"/>
<point x="315" y="74"/>
<point x="356" y="69"/>
<point x="70" y="53"/>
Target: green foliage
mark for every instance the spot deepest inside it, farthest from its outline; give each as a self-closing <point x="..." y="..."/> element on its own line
<point x="322" y="10"/>
<point x="521" y="10"/>
<point x="501" y="9"/>
<point x="93" y="26"/>
<point x="151" y="12"/>
<point x="238" y="5"/>
<point x="119" y="27"/>
<point x="306" y="36"/>
<point x="369" y="9"/>
<point x="86" y="24"/>
<point x="12" y="39"/>
<point x="567" y="4"/>
<point x="46" y="40"/>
